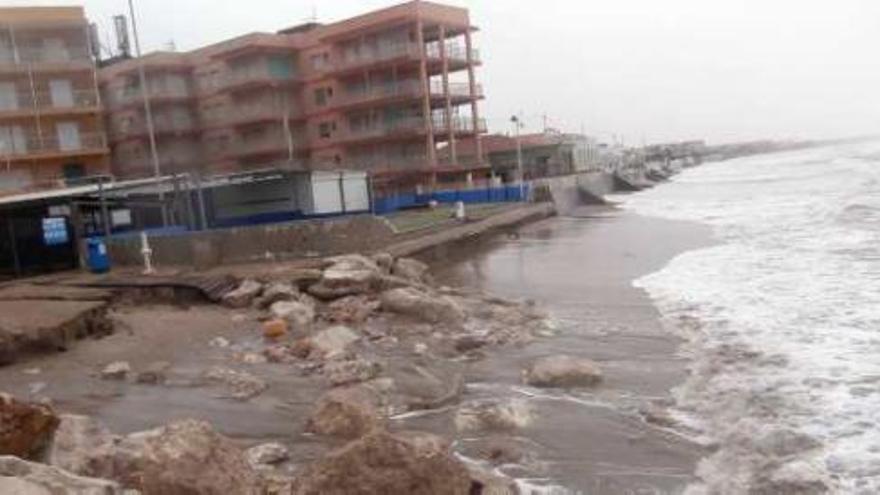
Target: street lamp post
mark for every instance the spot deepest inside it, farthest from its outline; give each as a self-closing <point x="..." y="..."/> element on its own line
<point x="518" y="125"/>
<point x="148" y="114"/>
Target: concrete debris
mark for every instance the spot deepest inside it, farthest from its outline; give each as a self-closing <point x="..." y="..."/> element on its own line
<point x="118" y="370"/>
<point x="244" y="295"/>
<point x="563" y="372"/>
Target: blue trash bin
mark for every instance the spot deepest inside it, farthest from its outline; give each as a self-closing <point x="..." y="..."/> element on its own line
<point x="97" y="258"/>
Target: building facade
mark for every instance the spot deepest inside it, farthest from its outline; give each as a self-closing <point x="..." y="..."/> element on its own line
<point x="381" y="93"/>
<point x="51" y="125"/>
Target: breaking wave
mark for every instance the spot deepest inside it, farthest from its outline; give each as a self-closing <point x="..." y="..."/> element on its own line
<point x="781" y="319"/>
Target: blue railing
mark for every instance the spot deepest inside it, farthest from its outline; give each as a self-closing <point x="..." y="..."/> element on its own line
<point x="391" y="204"/>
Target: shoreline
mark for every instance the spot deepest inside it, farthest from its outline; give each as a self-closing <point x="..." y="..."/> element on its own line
<point x="602" y="317"/>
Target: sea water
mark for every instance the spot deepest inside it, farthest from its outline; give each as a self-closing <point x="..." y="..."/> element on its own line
<point x="781" y="316"/>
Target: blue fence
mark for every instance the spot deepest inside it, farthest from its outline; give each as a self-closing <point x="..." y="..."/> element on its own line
<point x="391" y="204"/>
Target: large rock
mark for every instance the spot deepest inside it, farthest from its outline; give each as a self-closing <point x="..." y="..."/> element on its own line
<point x="563" y="372"/>
<point x="183" y="458"/>
<point x="299" y="315"/>
<point x="346" y="276"/>
<point x="351" y="371"/>
<point x="334" y="341"/>
<point x="423" y="306"/>
<point x="25" y="428"/>
<point x="279" y="291"/>
<point x="348" y="412"/>
<point x="20" y="477"/>
<point x="410" y="269"/>
<point x="267" y="453"/>
<point x="244" y="295"/>
<point x="351" y="310"/>
<point x="239" y="385"/>
<point x="83" y="446"/>
<point x="494" y="415"/>
<point x="410" y="463"/>
<point x="424" y="384"/>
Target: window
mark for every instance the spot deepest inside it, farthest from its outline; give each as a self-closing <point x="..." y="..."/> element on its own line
<point x="321" y="97"/>
<point x="325" y="129"/>
<point x="320" y="61"/>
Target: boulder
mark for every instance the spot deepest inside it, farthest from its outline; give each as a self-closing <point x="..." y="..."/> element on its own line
<point x="334" y="341"/>
<point x="351" y="371"/>
<point x="83" y="446"/>
<point x="563" y="372"/>
<point x="494" y="415"/>
<point x="423" y="306"/>
<point x="303" y="277"/>
<point x="384" y="261"/>
<point x="118" y="370"/>
<point x="381" y="462"/>
<point x="267" y="453"/>
<point x="351" y="310"/>
<point x="239" y="385"/>
<point x="279" y="291"/>
<point x="154" y="374"/>
<point x="182" y="458"/>
<point x="20" y="477"/>
<point x="244" y="295"/>
<point x="348" y="412"/>
<point x="424" y="384"/>
<point x="410" y="269"/>
<point x="346" y="276"/>
<point x="25" y="428"/>
<point x="468" y="343"/>
<point x="299" y="315"/>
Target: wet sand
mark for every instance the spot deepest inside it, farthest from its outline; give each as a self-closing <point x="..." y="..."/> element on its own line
<point x="581" y="269"/>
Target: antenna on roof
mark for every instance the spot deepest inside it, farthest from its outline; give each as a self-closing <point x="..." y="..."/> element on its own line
<point x="122" y="41"/>
<point x="314" y="16"/>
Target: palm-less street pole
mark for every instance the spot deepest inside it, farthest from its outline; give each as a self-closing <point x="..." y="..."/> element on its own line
<point x="148" y="113"/>
<point x="518" y="125"/>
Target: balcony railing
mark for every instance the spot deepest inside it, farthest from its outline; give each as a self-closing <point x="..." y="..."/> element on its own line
<point x="400" y="89"/>
<point x="456" y="90"/>
<point x="404" y="125"/>
<point x="29" y="56"/>
<point x="133" y="95"/>
<point x="247" y="113"/>
<point x="255" y="75"/>
<point x="454" y="53"/>
<point x="45" y="101"/>
<point x="31" y="144"/>
<point x="459" y="124"/>
<point x="160" y="126"/>
<point x="383" y="53"/>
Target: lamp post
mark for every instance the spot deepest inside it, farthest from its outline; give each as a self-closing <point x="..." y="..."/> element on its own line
<point x="148" y="114"/>
<point x="518" y="125"/>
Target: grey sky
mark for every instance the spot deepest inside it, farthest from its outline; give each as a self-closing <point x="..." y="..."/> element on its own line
<point x="644" y="69"/>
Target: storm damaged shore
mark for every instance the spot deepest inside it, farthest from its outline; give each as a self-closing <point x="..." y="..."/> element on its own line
<point x="489" y="370"/>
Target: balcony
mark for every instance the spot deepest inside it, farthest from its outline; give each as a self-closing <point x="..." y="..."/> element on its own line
<point x="128" y="96"/>
<point x="244" y="114"/>
<point x="402" y="127"/>
<point x="262" y="75"/>
<point x="460" y="125"/>
<point x="456" y="54"/>
<point x="457" y="91"/>
<point x="39" y="59"/>
<point x="23" y="103"/>
<point x="353" y="61"/>
<point x="382" y="93"/>
<point x="161" y="126"/>
<point x="32" y="146"/>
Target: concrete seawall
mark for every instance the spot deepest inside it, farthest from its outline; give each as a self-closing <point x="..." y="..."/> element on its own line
<point x="570" y="191"/>
<point x="306" y="240"/>
<point x="209" y="249"/>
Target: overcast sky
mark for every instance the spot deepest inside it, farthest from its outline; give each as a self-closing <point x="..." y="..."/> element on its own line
<point x="644" y="69"/>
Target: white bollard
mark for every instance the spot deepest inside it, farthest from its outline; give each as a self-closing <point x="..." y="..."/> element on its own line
<point x="147" y="252"/>
<point x="460" y="213"/>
